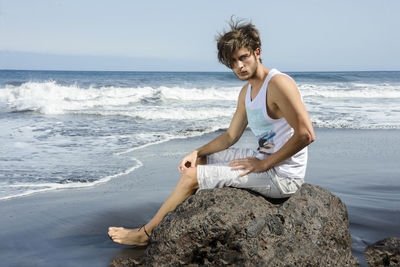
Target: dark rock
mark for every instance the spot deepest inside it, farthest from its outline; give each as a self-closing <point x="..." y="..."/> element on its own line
<point x="128" y="257"/>
<point x="126" y="262"/>
<point x="384" y="253"/>
<point x="230" y="226"/>
<point x="256" y="226"/>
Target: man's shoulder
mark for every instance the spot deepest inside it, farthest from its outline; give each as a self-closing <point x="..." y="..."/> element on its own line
<point x="243" y="91"/>
<point x="281" y="82"/>
<point x="242" y="95"/>
<point x="281" y="79"/>
<point x="281" y="86"/>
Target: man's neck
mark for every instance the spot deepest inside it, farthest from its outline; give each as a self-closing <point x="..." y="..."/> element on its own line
<point x="258" y="79"/>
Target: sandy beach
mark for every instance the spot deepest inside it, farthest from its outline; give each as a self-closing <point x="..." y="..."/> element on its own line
<point x="68" y="227"/>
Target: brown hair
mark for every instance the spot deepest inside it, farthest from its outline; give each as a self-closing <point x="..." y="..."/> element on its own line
<point x="241" y="34"/>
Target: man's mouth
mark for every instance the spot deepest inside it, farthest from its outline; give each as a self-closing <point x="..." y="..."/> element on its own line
<point x="241" y="73"/>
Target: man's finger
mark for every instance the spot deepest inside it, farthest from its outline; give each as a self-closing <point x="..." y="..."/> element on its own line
<point x="236" y="161"/>
<point x="181" y="168"/>
<point x="244" y="173"/>
<point x="239" y="167"/>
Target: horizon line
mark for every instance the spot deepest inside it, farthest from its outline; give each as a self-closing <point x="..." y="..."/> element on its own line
<point x="194" y="71"/>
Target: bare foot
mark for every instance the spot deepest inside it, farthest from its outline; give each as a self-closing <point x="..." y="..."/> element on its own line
<point x="125" y="236"/>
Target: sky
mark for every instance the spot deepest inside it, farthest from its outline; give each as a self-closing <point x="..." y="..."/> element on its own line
<point x="179" y="35"/>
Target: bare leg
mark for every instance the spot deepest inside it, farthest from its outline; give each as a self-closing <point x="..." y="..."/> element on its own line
<point x="186" y="187"/>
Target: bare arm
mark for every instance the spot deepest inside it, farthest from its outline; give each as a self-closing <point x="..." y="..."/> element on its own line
<point x="286" y="97"/>
<point x="284" y="101"/>
<point x="232" y="134"/>
<point x="228" y="138"/>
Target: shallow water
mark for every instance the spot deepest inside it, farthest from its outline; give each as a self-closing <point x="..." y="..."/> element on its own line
<point x="361" y="167"/>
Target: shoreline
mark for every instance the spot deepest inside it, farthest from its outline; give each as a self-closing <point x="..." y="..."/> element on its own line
<point x="69" y="227"/>
<point x="110" y="177"/>
<point x="139" y="163"/>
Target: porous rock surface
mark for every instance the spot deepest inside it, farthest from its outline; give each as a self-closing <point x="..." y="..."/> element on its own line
<point x="385" y="252"/>
<point x="230" y="226"/>
<point x="234" y="226"/>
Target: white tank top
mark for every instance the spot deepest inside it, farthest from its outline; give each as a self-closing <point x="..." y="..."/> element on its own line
<point x="272" y="134"/>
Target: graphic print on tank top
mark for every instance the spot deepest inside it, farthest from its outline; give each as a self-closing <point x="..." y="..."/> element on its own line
<point x="264" y="129"/>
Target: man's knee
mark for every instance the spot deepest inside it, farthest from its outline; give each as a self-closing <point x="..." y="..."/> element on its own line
<point x="189" y="179"/>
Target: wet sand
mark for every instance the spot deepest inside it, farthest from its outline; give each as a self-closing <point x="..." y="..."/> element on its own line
<point x="69" y="227"/>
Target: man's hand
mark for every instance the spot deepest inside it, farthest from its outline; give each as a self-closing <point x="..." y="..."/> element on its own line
<point x="188" y="162"/>
<point x="247" y="164"/>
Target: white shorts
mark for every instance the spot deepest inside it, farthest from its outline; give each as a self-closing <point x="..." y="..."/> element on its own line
<point x="217" y="174"/>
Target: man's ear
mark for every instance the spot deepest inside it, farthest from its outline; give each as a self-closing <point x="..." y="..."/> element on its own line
<point x="257" y="52"/>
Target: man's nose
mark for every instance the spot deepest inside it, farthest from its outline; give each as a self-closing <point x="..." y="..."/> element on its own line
<point x="238" y="64"/>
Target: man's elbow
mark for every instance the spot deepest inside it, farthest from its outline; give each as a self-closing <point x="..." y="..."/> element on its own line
<point x="232" y="138"/>
<point x="307" y="137"/>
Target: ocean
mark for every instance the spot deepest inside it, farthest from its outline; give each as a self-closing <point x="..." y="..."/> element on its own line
<point x="72" y="129"/>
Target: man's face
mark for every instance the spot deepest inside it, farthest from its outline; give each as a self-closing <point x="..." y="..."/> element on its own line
<point x="245" y="63"/>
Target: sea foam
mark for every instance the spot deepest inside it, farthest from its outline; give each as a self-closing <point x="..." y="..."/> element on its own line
<point x="52" y="98"/>
<point x="352" y="90"/>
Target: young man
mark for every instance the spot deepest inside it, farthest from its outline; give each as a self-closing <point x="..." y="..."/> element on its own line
<point x="271" y="105"/>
